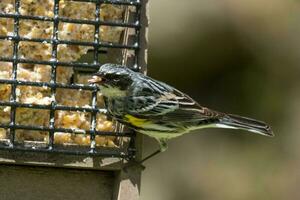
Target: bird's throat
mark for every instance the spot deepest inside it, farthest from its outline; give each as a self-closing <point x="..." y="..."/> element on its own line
<point x="112" y="92"/>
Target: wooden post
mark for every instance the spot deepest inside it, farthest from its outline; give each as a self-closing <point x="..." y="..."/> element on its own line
<point x="130" y="181"/>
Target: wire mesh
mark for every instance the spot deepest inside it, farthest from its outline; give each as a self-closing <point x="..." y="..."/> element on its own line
<point x="97" y="47"/>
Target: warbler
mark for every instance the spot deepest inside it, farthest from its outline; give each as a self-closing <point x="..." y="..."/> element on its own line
<point x="158" y="110"/>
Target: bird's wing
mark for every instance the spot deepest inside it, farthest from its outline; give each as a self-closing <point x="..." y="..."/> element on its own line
<point x="165" y="104"/>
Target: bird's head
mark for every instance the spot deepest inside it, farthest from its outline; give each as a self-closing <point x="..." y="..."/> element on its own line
<point x="113" y="79"/>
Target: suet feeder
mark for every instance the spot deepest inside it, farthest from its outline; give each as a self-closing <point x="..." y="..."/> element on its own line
<point x="56" y="141"/>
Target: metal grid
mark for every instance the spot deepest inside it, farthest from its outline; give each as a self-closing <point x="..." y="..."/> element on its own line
<point x="54" y="63"/>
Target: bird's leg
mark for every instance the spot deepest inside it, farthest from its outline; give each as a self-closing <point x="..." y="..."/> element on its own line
<point x="163" y="146"/>
<point x="150" y="156"/>
<point x="140" y="163"/>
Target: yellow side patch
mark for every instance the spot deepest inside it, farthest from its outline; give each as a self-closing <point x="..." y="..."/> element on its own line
<point x="135" y="121"/>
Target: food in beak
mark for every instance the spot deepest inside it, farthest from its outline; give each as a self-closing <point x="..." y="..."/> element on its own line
<point x="95" y="79"/>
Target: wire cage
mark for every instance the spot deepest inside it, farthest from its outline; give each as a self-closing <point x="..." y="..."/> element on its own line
<point x="48" y="50"/>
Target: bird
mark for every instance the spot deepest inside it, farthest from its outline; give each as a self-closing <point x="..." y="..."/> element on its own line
<point x="158" y="110"/>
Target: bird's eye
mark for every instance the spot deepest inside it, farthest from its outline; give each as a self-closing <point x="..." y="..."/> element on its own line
<point x="111" y="77"/>
<point x="104" y="79"/>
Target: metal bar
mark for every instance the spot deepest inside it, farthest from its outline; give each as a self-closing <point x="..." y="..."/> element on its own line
<point x="47" y="84"/>
<point x="132" y="146"/>
<point x="69" y="20"/>
<point x="114" y="2"/>
<point x="67" y="130"/>
<point x="136" y="51"/>
<point x="70" y="42"/>
<point x="57" y="107"/>
<point x="14" y="76"/>
<point x="96" y="62"/>
<point x="102" y="153"/>
<point x="53" y="73"/>
<point x="64" y="64"/>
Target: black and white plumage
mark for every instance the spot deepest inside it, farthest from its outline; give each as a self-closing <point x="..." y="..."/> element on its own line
<point x="158" y="110"/>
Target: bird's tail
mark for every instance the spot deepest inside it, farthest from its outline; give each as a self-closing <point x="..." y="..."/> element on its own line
<point x="244" y="123"/>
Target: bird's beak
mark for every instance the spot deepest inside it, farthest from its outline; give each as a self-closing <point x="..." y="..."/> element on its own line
<point x="95" y="79"/>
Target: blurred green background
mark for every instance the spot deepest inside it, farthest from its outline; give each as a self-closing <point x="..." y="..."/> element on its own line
<point x="236" y="56"/>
